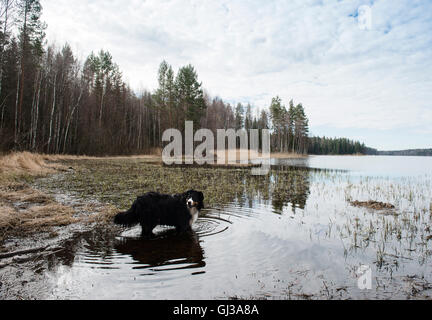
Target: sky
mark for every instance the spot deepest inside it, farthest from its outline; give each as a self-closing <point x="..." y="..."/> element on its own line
<point x="361" y="68"/>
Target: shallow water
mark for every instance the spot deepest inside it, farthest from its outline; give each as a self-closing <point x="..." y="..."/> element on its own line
<point x="294" y="237"/>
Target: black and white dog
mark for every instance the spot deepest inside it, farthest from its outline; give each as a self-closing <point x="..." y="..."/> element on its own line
<point x="153" y="209"/>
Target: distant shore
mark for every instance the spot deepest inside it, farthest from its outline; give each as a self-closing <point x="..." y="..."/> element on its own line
<point x="410" y="152"/>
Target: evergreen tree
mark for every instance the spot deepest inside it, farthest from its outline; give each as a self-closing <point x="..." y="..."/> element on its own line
<point x="301" y="130"/>
<point x="105" y="76"/>
<point x="190" y="96"/>
<point x="31" y="36"/>
<point x="239" y="117"/>
<point x="278" y="116"/>
<point x="248" y="117"/>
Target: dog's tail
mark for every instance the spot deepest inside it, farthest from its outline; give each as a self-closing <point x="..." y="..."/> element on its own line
<point x="129" y="218"/>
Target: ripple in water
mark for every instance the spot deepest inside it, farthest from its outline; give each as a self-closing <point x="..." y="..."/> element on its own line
<point x="128" y="258"/>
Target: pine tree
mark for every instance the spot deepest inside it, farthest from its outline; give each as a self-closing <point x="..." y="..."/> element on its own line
<point x="239" y="116"/>
<point x="301" y="130"/>
<point x="165" y="97"/>
<point x="278" y="116"/>
<point x="248" y="118"/>
<point x="32" y="34"/>
<point x="190" y="96"/>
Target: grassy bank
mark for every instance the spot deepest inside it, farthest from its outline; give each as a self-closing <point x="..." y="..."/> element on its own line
<point x="24" y="209"/>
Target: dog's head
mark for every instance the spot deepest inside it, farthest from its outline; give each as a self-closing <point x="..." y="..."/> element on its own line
<point x="194" y="199"/>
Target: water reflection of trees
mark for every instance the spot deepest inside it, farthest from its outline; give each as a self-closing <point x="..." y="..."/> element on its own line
<point x="284" y="186"/>
<point x="291" y="187"/>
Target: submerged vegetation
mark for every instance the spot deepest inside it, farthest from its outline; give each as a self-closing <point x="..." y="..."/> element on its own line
<point x="120" y="181"/>
<point x="376" y="205"/>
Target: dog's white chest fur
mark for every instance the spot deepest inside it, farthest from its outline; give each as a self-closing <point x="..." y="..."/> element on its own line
<point x="194" y="212"/>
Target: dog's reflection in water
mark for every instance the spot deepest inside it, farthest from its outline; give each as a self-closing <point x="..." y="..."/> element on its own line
<point x="167" y="250"/>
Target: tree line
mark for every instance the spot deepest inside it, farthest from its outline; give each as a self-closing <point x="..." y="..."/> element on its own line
<point x="52" y="102"/>
<point x="410" y="152"/>
<point x="343" y="146"/>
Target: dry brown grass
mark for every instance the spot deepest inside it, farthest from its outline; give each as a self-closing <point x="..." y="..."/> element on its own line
<point x="29" y="211"/>
<point x="148" y="157"/>
<point x="7" y="217"/>
<point x="22" y="193"/>
<point x="49" y="215"/>
<point x="42" y="164"/>
<point x="27" y="163"/>
<point x="376" y="205"/>
<point x="25" y="210"/>
<point x="288" y="155"/>
<point x="103" y="215"/>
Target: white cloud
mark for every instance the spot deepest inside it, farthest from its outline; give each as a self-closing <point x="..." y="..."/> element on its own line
<point x="312" y="51"/>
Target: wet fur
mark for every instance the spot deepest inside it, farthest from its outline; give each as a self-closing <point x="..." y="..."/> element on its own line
<point x="153" y="209"/>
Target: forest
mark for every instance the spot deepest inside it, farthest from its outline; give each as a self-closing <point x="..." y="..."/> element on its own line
<point x="342" y="146"/>
<point x="50" y="102"/>
<point x="410" y="152"/>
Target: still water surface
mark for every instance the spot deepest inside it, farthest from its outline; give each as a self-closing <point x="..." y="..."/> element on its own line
<point x="392" y="166"/>
<point x="304" y="242"/>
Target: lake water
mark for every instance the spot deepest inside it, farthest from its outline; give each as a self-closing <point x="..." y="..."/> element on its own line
<point x="391" y="166"/>
<point x="294" y="235"/>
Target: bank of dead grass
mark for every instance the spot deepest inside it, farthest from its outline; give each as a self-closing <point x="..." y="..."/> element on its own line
<point x="288" y="155"/>
<point x="41" y="164"/>
<point x="25" y="210"/>
<point x="29" y="211"/>
<point x="32" y="218"/>
<point x="27" y="163"/>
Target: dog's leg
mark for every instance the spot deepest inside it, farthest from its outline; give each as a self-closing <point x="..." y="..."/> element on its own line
<point x="183" y="229"/>
<point x="146" y="231"/>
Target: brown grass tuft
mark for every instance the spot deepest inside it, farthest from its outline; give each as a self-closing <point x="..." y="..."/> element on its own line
<point x="372" y="205"/>
<point x="25" y="210"/>
<point x="24" y="194"/>
<point x="288" y="155"/>
<point x="7" y="218"/>
<point x="49" y="215"/>
<point x="102" y="215"/>
<point x="28" y="163"/>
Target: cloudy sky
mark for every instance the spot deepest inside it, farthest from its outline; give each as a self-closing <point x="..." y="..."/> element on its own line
<point x="363" y="74"/>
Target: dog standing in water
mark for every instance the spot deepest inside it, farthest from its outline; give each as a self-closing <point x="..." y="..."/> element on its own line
<point x="153" y="209"/>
